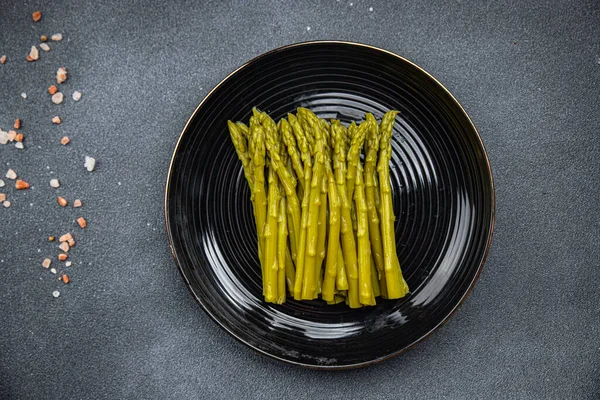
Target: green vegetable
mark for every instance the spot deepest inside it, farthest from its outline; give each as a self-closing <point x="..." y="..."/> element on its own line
<point x="396" y="285"/>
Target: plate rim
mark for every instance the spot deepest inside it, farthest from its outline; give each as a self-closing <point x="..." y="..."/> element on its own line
<point x="439" y="324"/>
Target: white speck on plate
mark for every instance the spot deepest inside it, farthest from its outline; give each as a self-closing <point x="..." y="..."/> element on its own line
<point x="56" y="293"/>
<point x="308" y="28"/>
<point x="371" y="9"/>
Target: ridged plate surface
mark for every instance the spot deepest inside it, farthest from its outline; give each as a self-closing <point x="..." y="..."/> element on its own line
<point x="443" y="202"/>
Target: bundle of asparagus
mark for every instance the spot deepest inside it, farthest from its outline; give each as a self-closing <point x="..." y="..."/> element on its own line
<point x="324" y="219"/>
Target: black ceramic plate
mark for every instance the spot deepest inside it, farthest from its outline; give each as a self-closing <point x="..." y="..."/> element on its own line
<point x="443" y="202"/>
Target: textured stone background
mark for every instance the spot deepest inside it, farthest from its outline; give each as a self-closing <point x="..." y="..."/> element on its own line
<point x="528" y="74"/>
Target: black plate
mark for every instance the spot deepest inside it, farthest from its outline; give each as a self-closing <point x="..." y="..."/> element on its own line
<point x="443" y="201"/>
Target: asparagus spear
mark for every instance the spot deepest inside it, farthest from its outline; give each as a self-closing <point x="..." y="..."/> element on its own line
<point x="306" y="159"/>
<point x="396" y="286"/>
<point x="282" y="233"/>
<point x="287" y="180"/>
<point x="333" y="240"/>
<point x="372" y="145"/>
<point x="260" y="199"/>
<point x="348" y="242"/>
<point x="270" y="235"/>
<point x="322" y="234"/>
<point x="309" y="282"/>
<point x="364" y="246"/>
<point x="382" y="281"/>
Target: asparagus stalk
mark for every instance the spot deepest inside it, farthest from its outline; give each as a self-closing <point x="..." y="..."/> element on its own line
<point x="287" y="180"/>
<point x="309" y="282"/>
<point x="382" y="281"/>
<point x="396" y="286"/>
<point x="322" y="234"/>
<point x="306" y="159"/>
<point x="282" y="233"/>
<point x="333" y="240"/>
<point x="271" y="240"/>
<point x="260" y="199"/>
<point x="348" y="242"/>
<point x="372" y="142"/>
<point x="364" y="246"/>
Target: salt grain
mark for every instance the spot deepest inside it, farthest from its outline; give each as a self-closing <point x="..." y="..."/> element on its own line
<point x="34" y="54"/>
<point x="65" y="140"/>
<point x="2" y="183"/>
<point x="61" y="75"/>
<point x="57" y="98"/>
<point x="56" y="37"/>
<point x="77" y="203"/>
<point x="76" y="96"/>
<point x="44" y="46"/>
<point x="3" y="59"/>
<point x="64" y="246"/>
<point x="10" y="174"/>
<point x="56" y="293"/>
<point x="2" y="196"/>
<point x="19" y="145"/>
<point x="3" y="137"/>
<point x="56" y="120"/>
<point x="53" y="270"/>
<point x="54" y="183"/>
<point x="371" y="9"/>
<point x="6" y="204"/>
<point x="46" y="263"/>
<point x="68" y="263"/>
<point x="90" y="163"/>
<point x="24" y="95"/>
